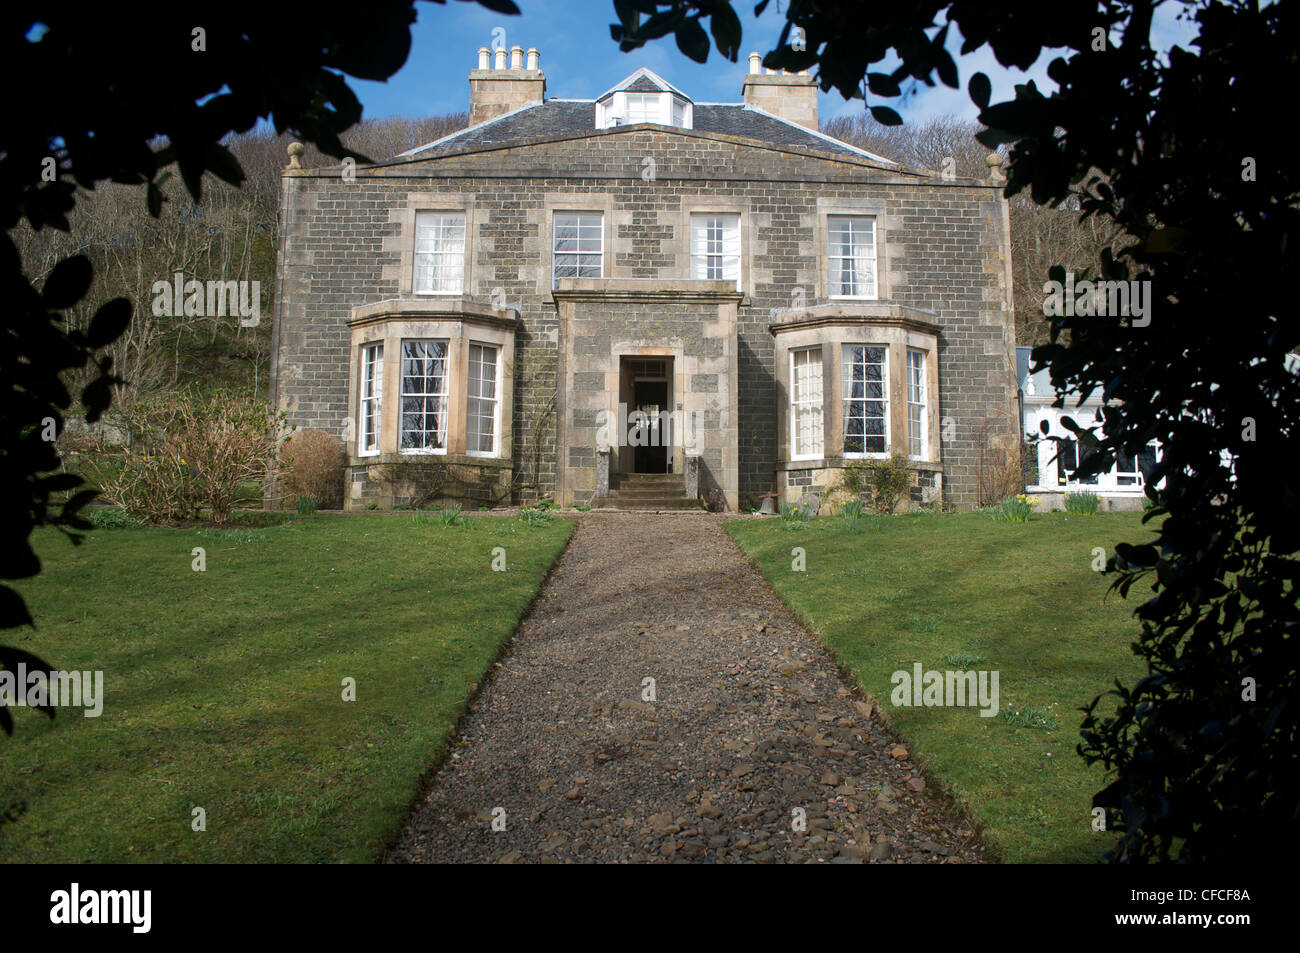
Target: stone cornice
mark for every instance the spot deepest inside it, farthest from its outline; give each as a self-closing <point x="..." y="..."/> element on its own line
<point x="435" y="309"/>
<point x="876" y="314"/>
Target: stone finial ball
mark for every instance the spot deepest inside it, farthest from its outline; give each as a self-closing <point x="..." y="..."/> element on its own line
<point x="296" y="149"/>
<point x="993" y="160"/>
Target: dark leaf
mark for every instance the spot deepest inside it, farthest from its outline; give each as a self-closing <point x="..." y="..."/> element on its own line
<point x="67" y="283"/>
<point x="882" y="84"/>
<point x="108" y="323"/>
<point x="726" y="30"/>
<point x="692" y="40"/>
<point x="886" y="116"/>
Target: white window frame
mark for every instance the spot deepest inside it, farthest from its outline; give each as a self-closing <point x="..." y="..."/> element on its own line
<point x="577" y="253"/>
<point x="643" y="107"/>
<point x="370" y="410"/>
<point x="434" y="225"/>
<point x="495" y="399"/>
<point x="917" y="422"/>
<point x="836" y="262"/>
<point x="846" y="399"/>
<point x="800" y="400"/>
<point x="707" y="248"/>
<point x="443" y="433"/>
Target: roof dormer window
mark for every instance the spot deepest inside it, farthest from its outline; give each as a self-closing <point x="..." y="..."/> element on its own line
<point x="644" y="97"/>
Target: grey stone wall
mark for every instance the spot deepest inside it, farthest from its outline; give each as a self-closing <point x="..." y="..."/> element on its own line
<point x="944" y="250"/>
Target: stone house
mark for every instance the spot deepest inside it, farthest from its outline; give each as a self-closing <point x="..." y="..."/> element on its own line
<point x="642" y="298"/>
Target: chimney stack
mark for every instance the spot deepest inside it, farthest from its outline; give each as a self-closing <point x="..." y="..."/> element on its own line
<point x="791" y="96"/>
<point x="497" y="90"/>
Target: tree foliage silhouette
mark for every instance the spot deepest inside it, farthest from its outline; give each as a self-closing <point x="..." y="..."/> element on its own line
<point x="102" y="95"/>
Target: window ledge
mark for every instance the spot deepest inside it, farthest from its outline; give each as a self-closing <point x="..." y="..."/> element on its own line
<point x="834" y="463"/>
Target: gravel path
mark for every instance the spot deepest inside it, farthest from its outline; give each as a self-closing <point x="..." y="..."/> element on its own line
<point x="751" y="728"/>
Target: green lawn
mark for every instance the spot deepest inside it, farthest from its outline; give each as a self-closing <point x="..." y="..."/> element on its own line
<point x="964" y="592"/>
<point x="224" y="688"/>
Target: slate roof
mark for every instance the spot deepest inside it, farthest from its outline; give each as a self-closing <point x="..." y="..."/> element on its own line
<point x="557" y="118"/>
<point x="643" y="84"/>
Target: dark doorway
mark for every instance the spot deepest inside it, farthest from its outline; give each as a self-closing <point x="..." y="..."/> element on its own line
<point x="650" y="397"/>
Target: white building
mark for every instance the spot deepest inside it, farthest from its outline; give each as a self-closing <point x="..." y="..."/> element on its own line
<point x="1122" y="488"/>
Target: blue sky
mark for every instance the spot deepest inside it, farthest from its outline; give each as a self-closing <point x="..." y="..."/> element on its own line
<point x="581" y="61"/>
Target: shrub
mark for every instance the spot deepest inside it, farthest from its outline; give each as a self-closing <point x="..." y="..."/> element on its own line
<point x="307" y="505"/>
<point x="1082" y="504"/>
<point x="313" y="466"/>
<point x="884" y="482"/>
<point x="192" y="453"/>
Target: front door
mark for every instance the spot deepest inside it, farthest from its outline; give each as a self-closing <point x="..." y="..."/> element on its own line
<point x="650" y="397"/>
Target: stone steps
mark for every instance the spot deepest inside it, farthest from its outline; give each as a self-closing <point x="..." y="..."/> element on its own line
<point x="648" y="492"/>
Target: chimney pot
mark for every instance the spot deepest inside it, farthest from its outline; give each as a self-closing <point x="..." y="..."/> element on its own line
<point x="497" y="90"/>
<point x="755" y="63"/>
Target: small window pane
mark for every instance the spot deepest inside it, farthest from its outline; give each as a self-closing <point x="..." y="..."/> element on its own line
<point x="865" y="401"/>
<point x="481" y="405"/>
<point x="424" y="396"/>
<point x="372" y="389"/>
<point x="806" y="402"/>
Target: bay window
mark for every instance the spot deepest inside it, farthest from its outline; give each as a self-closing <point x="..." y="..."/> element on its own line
<point x="432" y="377"/>
<point x="860" y="382"/>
